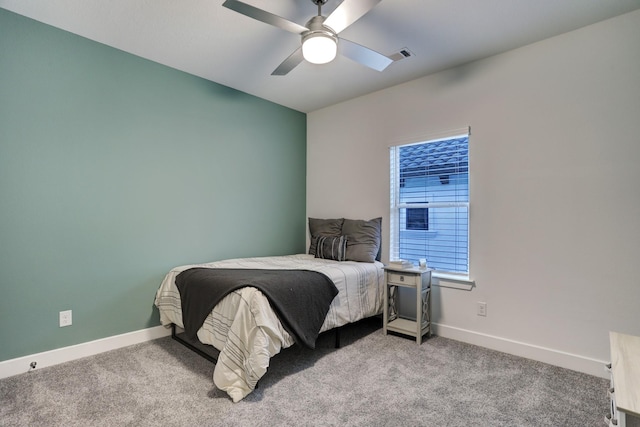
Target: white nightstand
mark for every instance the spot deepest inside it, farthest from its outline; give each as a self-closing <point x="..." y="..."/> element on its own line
<point x="418" y="279"/>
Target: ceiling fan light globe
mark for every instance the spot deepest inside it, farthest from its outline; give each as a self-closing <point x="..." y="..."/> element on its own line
<point x="319" y="48"/>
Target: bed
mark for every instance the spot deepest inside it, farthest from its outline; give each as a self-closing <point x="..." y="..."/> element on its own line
<point x="244" y="327"/>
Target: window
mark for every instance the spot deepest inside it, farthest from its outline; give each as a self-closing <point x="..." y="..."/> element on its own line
<point x="417" y="218"/>
<point x="430" y="202"/>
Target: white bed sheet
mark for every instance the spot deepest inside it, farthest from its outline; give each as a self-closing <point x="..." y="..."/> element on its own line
<point x="245" y="329"/>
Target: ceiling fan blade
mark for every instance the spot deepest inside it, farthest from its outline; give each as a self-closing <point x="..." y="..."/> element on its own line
<point x="264" y="16"/>
<point x="364" y="55"/>
<point x="349" y="12"/>
<point x="290" y="63"/>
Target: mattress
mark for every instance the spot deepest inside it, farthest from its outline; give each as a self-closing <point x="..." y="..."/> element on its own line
<point x="247" y="332"/>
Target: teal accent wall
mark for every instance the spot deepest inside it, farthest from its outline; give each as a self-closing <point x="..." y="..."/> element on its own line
<point x="113" y="170"/>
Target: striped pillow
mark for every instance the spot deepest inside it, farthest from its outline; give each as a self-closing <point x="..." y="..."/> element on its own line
<point x="331" y="247"/>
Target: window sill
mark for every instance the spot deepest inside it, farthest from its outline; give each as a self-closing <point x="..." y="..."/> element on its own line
<point x="453" y="281"/>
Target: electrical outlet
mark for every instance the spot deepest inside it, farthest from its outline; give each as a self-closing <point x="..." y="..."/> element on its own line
<point x="65" y="318"/>
<point x="482" y="309"/>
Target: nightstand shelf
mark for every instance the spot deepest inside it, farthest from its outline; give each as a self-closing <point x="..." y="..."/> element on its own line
<point x="415" y="278"/>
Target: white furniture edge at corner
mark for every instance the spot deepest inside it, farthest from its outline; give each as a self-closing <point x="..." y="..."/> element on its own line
<point x="415" y="328"/>
<point x="20" y="365"/>
<point x="625" y="379"/>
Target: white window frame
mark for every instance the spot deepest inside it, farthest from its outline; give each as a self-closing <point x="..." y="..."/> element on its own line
<point x="456" y="279"/>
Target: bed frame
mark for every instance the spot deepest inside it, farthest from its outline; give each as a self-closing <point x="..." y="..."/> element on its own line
<point x="195" y="346"/>
<point x="209" y="352"/>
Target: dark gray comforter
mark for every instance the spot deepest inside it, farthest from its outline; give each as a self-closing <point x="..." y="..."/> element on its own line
<point x="300" y="298"/>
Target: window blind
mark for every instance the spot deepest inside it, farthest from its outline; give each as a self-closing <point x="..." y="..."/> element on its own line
<point x="430" y="202"/>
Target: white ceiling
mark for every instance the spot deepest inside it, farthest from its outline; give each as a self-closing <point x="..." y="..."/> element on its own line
<point x="207" y="40"/>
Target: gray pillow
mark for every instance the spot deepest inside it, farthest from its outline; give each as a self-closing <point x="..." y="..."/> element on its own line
<point x="363" y="239"/>
<point x="323" y="227"/>
<point x="333" y="248"/>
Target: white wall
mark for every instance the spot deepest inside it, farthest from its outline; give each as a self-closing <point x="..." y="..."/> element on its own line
<point x="555" y="176"/>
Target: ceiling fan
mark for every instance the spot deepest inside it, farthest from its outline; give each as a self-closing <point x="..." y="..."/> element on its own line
<point x="320" y="41"/>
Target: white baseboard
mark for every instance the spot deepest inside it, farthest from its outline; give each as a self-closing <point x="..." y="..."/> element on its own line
<point x="574" y="362"/>
<point x="21" y="365"/>
<point x="529" y="351"/>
